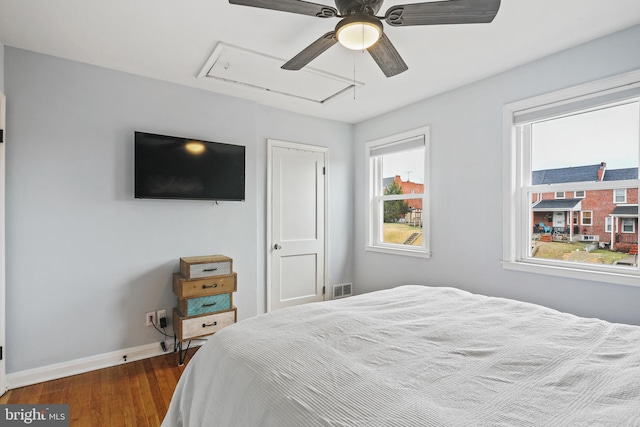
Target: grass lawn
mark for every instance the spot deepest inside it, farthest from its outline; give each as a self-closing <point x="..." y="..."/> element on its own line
<point x="575" y="252"/>
<point x="399" y="233"/>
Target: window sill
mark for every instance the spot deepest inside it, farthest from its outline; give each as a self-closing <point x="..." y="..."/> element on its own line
<point x="398" y="251"/>
<point x="625" y="276"/>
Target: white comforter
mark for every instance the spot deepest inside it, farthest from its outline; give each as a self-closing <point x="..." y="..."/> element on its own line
<point x="413" y="356"/>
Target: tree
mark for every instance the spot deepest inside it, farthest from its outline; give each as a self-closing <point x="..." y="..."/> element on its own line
<point x="394" y="209"/>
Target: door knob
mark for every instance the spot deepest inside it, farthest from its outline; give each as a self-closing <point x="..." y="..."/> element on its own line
<point x="277" y="247"/>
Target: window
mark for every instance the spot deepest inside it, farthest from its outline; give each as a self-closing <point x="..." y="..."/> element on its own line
<point x="628" y="225"/>
<point x="620" y="195"/>
<point x="586" y="141"/>
<point x="559" y="194"/>
<point x="398" y="188"/>
<point x="607" y="225"/>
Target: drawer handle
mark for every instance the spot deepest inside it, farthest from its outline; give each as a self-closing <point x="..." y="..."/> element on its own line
<point x="209" y="305"/>
<point x="204" y="325"/>
<point x="210" y="269"/>
<point x="215" y="285"/>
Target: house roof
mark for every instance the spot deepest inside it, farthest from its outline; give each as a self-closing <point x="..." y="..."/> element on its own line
<point x="621" y="174"/>
<point x="557" y="205"/>
<point x="625" y="211"/>
<point x="581" y="174"/>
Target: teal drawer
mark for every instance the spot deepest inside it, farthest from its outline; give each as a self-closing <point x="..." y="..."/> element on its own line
<point x="205" y="305"/>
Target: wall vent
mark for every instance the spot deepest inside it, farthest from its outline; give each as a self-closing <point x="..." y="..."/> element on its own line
<point x="342" y="290"/>
<point x="241" y="67"/>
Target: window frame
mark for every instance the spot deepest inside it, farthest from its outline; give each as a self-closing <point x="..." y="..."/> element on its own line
<point x="559" y="195"/>
<point x="583" y="196"/>
<point x="608" y="224"/>
<point x="590" y="217"/>
<point x="633" y="226"/>
<point x="517" y="188"/>
<point x="615" y="196"/>
<point x="373" y="241"/>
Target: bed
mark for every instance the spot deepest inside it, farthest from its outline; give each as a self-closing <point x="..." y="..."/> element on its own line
<point x="413" y="356"/>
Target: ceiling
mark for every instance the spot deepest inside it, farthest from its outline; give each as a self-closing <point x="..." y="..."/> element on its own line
<point x="173" y="40"/>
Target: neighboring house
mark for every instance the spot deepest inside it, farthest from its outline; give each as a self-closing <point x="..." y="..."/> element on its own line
<point x="414" y="216"/>
<point x="607" y="216"/>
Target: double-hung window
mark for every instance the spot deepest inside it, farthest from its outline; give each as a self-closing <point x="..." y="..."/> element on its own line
<point x="620" y="195"/>
<point x="398" y="194"/>
<point x="582" y="143"/>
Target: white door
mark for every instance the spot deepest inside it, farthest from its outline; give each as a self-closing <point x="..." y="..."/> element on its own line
<point x="296" y="225"/>
<point x="3" y="384"/>
<point x="558" y="219"/>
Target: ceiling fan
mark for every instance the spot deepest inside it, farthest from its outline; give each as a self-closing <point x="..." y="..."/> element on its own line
<point x="361" y="29"/>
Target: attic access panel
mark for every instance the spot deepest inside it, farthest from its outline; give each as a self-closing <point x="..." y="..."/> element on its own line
<point x="235" y="65"/>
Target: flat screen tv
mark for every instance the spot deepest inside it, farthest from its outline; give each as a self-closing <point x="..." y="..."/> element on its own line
<point x="168" y="167"/>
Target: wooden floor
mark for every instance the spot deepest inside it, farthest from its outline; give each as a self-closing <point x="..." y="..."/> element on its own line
<point x="133" y="394"/>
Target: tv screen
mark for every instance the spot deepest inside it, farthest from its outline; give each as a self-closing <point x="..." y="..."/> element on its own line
<point x="168" y="167"/>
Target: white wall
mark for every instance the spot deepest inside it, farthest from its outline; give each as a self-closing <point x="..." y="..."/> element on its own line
<point x="466" y="159"/>
<point x="85" y="260"/>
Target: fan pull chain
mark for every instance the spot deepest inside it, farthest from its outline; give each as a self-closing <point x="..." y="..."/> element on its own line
<point x="354" y="76"/>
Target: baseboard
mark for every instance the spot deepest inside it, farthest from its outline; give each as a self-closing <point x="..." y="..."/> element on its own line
<point x="80" y="366"/>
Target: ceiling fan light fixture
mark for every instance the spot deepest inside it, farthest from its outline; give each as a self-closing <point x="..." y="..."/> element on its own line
<point x="358" y="31"/>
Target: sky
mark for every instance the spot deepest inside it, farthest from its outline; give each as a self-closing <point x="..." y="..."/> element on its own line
<point x="408" y="164"/>
<point x="608" y="135"/>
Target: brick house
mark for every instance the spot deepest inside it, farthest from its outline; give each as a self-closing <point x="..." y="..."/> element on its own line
<point x="606" y="216"/>
<point x="414" y="216"/>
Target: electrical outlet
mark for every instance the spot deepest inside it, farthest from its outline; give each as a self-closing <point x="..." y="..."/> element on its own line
<point x="161" y="314"/>
<point x="150" y="318"/>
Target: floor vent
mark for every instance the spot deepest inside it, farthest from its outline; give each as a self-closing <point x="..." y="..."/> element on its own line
<point x="342" y="290"/>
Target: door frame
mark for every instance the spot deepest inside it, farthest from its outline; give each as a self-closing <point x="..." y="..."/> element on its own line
<point x="274" y="143"/>
<point x="3" y="109"/>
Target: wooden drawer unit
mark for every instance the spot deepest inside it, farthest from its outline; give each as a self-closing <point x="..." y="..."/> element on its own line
<point x="187" y="328"/>
<point x="204" y="288"/>
<point x="205" y="305"/>
<point x="205" y="266"/>
<point x="185" y="288"/>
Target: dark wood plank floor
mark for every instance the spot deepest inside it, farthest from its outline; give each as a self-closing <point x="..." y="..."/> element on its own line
<point x="134" y="394"/>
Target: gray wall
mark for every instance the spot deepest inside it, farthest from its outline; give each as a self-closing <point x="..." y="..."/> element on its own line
<point x="1" y="67"/>
<point x="466" y="160"/>
<point x="85" y="260"/>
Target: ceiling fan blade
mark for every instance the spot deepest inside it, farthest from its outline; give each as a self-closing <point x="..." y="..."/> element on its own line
<point x="387" y="57"/>
<point x="293" y="6"/>
<point x="443" y="12"/>
<point x="311" y="52"/>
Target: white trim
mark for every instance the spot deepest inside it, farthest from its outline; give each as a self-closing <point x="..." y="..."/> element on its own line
<point x="371" y="201"/>
<point x="633" y="225"/>
<point x="3" y="379"/>
<point x="615" y="195"/>
<point x="86" y="364"/>
<point x="397" y="251"/>
<point x="517" y="182"/>
<point x="590" y="218"/>
<point x="569" y="95"/>
<point x="621" y="276"/>
<point x="271" y="143"/>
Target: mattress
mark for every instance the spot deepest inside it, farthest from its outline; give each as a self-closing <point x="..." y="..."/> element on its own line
<point x="413" y="356"/>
